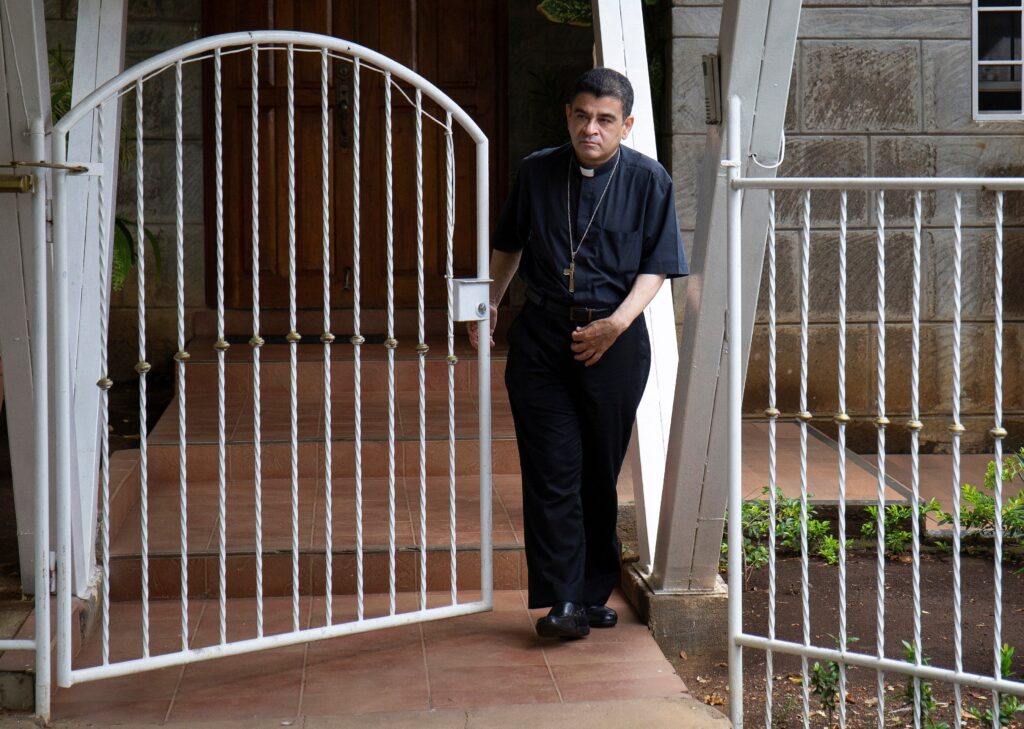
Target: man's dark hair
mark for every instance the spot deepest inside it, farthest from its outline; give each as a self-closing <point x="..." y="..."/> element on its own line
<point x="606" y="82"/>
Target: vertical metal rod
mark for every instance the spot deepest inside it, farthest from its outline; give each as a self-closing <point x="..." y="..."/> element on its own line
<point x="880" y="423"/>
<point x="293" y="340"/>
<point x="61" y="415"/>
<point x="734" y="335"/>
<point x="221" y="346"/>
<point x="181" y="356"/>
<point x="915" y="475"/>
<point x="956" y="428"/>
<point x="40" y="461"/>
<point x="327" y="338"/>
<point x="842" y="418"/>
<point x="357" y="337"/>
<point x="452" y="360"/>
<point x="998" y="433"/>
<point x="104" y="385"/>
<point x="142" y="367"/>
<point x="421" y="349"/>
<point x="773" y="414"/>
<point x="389" y="214"/>
<point x="804" y="415"/>
<point x="483" y="268"/>
<point x="256" y="341"/>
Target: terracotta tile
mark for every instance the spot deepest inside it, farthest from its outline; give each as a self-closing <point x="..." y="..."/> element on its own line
<point x="233" y="688"/>
<point x="103" y="713"/>
<point x="620" y="680"/>
<point x="491" y="685"/>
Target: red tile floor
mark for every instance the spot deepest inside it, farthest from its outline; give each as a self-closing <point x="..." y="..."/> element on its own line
<point x="471" y="661"/>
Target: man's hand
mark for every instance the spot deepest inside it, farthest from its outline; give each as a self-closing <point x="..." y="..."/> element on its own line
<point x="592" y="341"/>
<point x="474" y="331"/>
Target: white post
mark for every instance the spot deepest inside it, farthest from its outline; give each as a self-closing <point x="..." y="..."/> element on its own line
<point x="60" y="415"/>
<point x="483" y="270"/>
<point x="24" y="96"/>
<point x="693" y="505"/>
<point x="40" y="424"/>
<point x="734" y="339"/>
<point x="620" y="44"/>
<point x="99" y="56"/>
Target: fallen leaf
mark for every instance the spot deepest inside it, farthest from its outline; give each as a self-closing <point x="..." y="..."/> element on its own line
<point x="873" y="701"/>
<point x="682" y="654"/>
<point x="701" y="680"/>
<point x="722" y="665"/>
<point x="714" y="700"/>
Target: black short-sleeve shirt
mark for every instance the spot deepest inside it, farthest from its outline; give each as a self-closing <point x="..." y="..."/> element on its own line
<point x="635" y="229"/>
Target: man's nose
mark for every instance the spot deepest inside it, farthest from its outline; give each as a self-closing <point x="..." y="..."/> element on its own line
<point x="590" y="127"/>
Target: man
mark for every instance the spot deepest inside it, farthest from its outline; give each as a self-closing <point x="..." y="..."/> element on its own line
<point x="591" y="228"/>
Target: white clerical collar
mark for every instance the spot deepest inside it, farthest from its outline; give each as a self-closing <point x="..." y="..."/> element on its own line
<point x="586" y="171"/>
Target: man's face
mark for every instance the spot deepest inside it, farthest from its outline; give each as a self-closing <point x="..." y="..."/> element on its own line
<point x="596" y="127"/>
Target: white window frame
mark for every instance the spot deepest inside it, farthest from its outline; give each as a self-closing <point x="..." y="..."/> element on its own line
<point x="975" y="63"/>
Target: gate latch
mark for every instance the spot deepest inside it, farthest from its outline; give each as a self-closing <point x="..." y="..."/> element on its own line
<point x="17" y="183"/>
<point x="470" y="298"/>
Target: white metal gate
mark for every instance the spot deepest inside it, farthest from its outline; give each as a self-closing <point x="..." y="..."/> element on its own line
<point x="411" y="90"/>
<point x="763" y="192"/>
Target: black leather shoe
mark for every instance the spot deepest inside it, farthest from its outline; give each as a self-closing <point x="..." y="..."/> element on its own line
<point x="565" y="620"/>
<point x="601" y="616"/>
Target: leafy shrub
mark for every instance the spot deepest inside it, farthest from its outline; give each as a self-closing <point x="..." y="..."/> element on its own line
<point x="898" y="521"/>
<point x="978" y="507"/>
<point x="756" y="520"/>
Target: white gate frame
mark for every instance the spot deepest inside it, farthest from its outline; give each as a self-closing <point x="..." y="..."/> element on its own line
<point x="198" y="50"/>
<point x="738" y="639"/>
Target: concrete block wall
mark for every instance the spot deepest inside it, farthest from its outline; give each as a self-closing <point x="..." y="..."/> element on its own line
<point x="154" y="26"/>
<point x="879" y="88"/>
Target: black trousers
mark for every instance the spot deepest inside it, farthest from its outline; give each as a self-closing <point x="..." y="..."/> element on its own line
<point x="573" y="425"/>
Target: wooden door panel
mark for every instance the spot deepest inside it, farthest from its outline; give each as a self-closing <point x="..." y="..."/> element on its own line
<point x="452" y="44"/>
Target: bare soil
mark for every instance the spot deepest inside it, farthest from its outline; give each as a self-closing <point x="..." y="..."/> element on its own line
<point x="707" y="676"/>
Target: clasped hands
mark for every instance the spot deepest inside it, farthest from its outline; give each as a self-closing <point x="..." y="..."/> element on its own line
<point x="589" y="343"/>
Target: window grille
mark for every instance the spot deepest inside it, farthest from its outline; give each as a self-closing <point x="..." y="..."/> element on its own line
<point x="997" y="60"/>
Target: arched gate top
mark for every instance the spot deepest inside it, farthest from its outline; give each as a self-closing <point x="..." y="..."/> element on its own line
<point x="277" y="38"/>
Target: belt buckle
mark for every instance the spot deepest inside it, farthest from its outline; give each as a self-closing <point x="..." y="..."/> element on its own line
<point x="581" y="314"/>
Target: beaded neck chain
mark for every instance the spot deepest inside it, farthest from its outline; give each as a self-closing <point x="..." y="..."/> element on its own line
<point x="570" y="272"/>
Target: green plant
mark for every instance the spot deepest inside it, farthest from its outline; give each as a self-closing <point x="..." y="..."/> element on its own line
<point x="928" y="703"/>
<point x="898" y="520"/>
<point x="756" y="520"/>
<point x="62" y="68"/>
<point x="573" y="12"/>
<point x="825" y="682"/>
<point x="1009" y="706"/>
<point x="978" y="509"/>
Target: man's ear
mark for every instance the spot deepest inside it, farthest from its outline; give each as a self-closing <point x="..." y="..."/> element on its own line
<point x="627" y="126"/>
<point x="568" y="113"/>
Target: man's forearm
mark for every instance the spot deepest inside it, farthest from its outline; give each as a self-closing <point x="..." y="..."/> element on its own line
<point x="503" y="268"/>
<point x="645" y="288"/>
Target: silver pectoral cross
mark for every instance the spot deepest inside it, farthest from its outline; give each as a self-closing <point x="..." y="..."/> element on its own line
<point x="571" y="273"/>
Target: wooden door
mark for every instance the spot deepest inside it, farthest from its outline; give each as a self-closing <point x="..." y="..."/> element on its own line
<point x="456" y="44"/>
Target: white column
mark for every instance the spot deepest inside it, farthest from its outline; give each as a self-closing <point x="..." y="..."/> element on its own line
<point x="763" y="35"/>
<point x="620" y="44"/>
<point x="99" y="56"/>
<point x="24" y="95"/>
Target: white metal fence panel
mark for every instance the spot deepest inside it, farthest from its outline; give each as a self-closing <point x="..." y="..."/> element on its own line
<point x="262" y="48"/>
<point x="920" y="673"/>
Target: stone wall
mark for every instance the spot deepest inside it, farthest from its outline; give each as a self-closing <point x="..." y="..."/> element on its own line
<point x="154" y="26"/>
<point x="879" y="87"/>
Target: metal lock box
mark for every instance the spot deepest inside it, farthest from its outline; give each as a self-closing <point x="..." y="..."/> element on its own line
<point x="470" y="297"/>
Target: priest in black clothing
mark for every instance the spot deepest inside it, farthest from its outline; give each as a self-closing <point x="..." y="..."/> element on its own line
<point x="591" y="228"/>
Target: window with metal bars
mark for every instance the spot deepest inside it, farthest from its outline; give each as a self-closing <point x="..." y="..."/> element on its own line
<point x="997" y="60"/>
